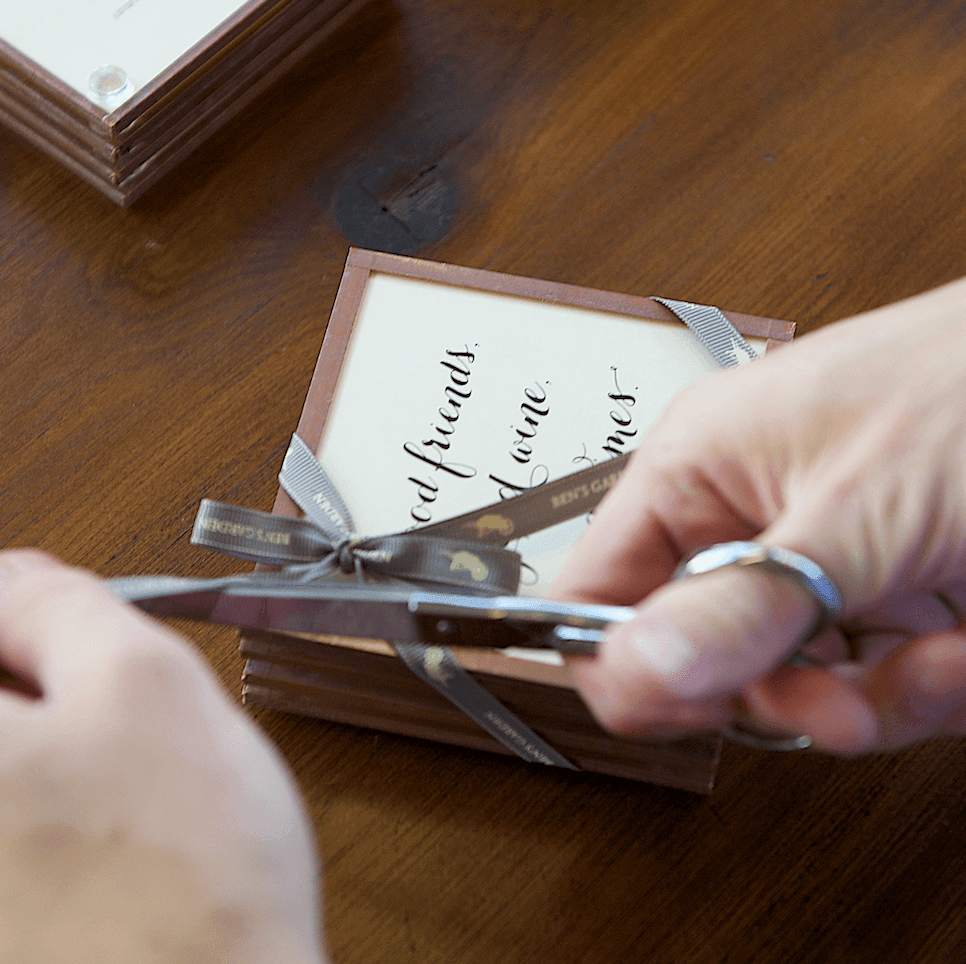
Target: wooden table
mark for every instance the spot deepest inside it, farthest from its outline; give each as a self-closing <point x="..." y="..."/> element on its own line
<point x="802" y="161"/>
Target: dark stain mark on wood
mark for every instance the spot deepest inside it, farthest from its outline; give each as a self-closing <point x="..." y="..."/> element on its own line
<point x="402" y="193"/>
<point x="396" y="207"/>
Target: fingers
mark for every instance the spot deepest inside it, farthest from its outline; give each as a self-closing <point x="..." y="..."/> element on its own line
<point x="816" y="450"/>
<point x="21" y="673"/>
<point x="829" y="710"/>
<point x="624" y="553"/>
<point x="680" y="663"/>
<point x="662" y="509"/>
<point x="59" y="625"/>
<point x="692" y="647"/>
<point x="919" y="691"/>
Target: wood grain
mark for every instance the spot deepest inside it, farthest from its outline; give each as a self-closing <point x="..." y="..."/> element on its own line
<point x="786" y="160"/>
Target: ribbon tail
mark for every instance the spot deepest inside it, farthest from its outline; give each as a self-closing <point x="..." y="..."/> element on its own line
<point x="257" y="536"/>
<point x="437" y="666"/>
<point x="311" y="489"/>
<point x="712" y="328"/>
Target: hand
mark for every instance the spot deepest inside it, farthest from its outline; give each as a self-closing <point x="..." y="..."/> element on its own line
<point x="846" y="446"/>
<point x="143" y="817"/>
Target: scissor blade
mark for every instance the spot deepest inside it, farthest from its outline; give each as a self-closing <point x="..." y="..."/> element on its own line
<point x="338" y="609"/>
<point x="395" y="615"/>
<point x="335" y="611"/>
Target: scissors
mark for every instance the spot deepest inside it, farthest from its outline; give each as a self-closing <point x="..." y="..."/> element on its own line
<point x="401" y="615"/>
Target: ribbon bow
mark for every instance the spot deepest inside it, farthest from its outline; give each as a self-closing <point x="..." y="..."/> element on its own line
<point x="325" y="541"/>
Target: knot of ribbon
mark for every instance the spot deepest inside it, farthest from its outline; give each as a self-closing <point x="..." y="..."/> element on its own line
<point x="345" y="553"/>
<point x="325" y="543"/>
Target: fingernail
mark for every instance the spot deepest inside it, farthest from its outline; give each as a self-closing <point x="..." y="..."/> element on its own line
<point x="856" y="728"/>
<point x="937" y="689"/>
<point x="668" y="654"/>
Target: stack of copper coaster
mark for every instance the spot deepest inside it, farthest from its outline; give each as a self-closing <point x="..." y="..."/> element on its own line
<point x="362" y="681"/>
<point x="64" y="87"/>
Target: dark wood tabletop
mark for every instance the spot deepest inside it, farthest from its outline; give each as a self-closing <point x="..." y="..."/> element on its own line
<point x="804" y="161"/>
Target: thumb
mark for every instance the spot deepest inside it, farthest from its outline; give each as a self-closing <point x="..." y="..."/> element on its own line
<point x="693" y="646"/>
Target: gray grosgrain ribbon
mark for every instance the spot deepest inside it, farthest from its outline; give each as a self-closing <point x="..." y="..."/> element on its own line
<point x="713" y="330"/>
<point x="325" y="541"/>
<point x="437" y="666"/>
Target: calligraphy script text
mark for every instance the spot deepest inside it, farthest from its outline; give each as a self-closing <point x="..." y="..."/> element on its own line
<point x="432" y="451"/>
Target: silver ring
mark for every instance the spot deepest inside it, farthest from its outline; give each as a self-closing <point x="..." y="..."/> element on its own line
<point x="809" y="575"/>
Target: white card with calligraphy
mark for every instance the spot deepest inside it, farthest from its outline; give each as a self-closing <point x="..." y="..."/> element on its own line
<point x="451" y="398"/>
